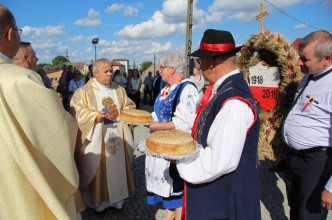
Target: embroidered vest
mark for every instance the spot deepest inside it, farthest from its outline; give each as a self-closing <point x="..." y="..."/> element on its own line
<point x="234" y="195"/>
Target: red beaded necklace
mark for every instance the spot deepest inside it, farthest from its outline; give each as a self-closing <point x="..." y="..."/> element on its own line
<point x="166" y="92"/>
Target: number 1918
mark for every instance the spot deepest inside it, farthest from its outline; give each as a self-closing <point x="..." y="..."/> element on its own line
<point x="256" y="80"/>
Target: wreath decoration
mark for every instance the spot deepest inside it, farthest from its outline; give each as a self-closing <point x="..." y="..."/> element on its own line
<point x="274" y="50"/>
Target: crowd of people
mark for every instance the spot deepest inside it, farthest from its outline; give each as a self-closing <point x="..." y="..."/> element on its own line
<point x="61" y="154"/>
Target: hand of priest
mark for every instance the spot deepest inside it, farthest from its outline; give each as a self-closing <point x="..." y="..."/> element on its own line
<point x="100" y="117"/>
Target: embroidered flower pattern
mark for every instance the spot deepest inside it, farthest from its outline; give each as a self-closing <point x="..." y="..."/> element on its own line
<point x="157" y="179"/>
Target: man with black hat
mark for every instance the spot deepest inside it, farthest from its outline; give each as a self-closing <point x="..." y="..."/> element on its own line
<point x="222" y="182"/>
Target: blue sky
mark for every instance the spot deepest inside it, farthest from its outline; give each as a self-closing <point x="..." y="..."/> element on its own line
<point x="141" y="30"/>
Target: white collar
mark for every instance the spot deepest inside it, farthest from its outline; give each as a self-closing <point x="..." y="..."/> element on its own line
<point x="101" y="86"/>
<point x="220" y="80"/>
<point x="5" y="57"/>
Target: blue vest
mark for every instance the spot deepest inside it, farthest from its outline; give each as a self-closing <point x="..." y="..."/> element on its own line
<point x="236" y="194"/>
<point x="164" y="109"/>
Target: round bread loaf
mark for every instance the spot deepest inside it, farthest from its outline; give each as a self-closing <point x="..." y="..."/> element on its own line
<point x="171" y="142"/>
<point x="136" y="116"/>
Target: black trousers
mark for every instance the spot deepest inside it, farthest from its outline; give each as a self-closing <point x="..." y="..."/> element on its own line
<point x="306" y="176"/>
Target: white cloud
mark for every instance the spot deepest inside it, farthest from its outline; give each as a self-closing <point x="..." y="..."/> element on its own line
<point x="76" y="38"/>
<point x="90" y="37"/>
<point x="152" y="28"/>
<point x="130" y="11"/>
<point x="157" y="47"/>
<point x="43" y="31"/>
<point x="300" y="26"/>
<point x="104" y="43"/>
<point x="42" y="45"/>
<point x="327" y="3"/>
<point x="245" y="11"/>
<point x="169" y="21"/>
<point x="174" y="11"/>
<point x="90" y="20"/>
<point x="114" y="7"/>
<point x="127" y="10"/>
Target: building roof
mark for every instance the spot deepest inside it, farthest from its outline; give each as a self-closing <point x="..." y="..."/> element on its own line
<point x="296" y="43"/>
<point x="116" y="63"/>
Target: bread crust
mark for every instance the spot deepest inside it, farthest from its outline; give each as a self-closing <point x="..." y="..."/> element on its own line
<point x="171" y="142"/>
<point x="136" y="116"/>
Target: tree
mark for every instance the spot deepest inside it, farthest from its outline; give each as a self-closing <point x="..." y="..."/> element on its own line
<point x="145" y="65"/>
<point x="58" y="61"/>
<point x="134" y="65"/>
<point x="42" y="65"/>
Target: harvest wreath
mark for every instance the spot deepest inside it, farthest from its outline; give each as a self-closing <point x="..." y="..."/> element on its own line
<point x="273" y="50"/>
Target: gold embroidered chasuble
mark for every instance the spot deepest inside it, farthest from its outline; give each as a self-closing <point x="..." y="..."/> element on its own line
<point x="104" y="150"/>
<point x="38" y="175"/>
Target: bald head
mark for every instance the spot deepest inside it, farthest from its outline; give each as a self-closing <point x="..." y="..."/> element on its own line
<point x="322" y="40"/>
<point x="26" y="57"/>
<point x="9" y="35"/>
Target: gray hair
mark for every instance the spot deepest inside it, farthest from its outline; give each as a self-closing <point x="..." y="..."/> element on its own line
<point x="323" y="45"/>
<point x="174" y="59"/>
<point x="100" y="62"/>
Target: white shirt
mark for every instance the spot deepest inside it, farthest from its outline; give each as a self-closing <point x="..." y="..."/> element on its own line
<point x="309" y="125"/>
<point x="73" y="86"/>
<point x="135" y="83"/>
<point x="225" y="142"/>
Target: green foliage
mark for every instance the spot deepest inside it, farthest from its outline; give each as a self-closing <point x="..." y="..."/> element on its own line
<point x="145" y="65"/>
<point x="42" y="65"/>
<point x="49" y="67"/>
<point x="58" y="61"/>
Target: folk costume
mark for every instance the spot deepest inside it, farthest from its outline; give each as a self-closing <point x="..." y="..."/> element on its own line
<point x="105" y="150"/>
<point x="176" y="103"/>
<point x="37" y="141"/>
<point x="222" y="182"/>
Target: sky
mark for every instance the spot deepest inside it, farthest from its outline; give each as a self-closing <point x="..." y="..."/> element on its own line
<point x="143" y="30"/>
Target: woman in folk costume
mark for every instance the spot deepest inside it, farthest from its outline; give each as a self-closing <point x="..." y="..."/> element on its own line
<point x="174" y="108"/>
<point x="222" y="182"/>
<point x="105" y="147"/>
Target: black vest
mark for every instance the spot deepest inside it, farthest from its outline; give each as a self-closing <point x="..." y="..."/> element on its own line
<point x="234" y="195"/>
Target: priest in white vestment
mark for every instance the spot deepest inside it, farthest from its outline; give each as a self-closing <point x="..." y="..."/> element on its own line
<point x="105" y="145"/>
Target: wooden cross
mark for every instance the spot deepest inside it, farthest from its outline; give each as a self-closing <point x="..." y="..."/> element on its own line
<point x="260" y="17"/>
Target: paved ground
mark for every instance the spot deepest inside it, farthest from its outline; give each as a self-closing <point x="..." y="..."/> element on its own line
<point x="273" y="197"/>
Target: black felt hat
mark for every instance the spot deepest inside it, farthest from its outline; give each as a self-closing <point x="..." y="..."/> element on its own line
<point x="216" y="43"/>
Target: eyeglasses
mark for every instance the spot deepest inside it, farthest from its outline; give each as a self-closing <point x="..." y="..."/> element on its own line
<point x="19" y="30"/>
<point x="163" y="67"/>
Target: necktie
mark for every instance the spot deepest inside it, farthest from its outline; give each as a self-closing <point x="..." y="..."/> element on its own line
<point x="302" y="90"/>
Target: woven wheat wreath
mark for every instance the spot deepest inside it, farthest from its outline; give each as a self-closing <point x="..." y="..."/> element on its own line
<point x="272" y="52"/>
